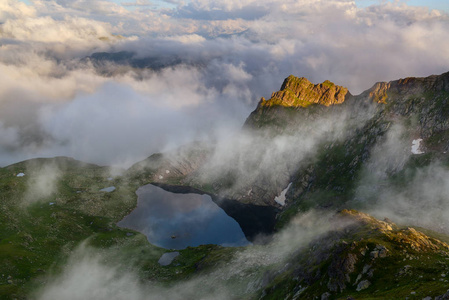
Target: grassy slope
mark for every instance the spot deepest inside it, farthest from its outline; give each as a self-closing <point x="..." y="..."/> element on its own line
<point x="415" y="265"/>
<point x="37" y="237"/>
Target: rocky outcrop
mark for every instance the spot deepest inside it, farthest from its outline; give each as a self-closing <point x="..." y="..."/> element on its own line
<point x="378" y="93"/>
<point x="362" y="256"/>
<point x="300" y="92"/>
<point x="363" y="285"/>
<point x="418" y="241"/>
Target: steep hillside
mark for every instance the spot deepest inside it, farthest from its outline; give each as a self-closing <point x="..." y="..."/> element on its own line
<point x="364" y="258"/>
<point x="314" y="145"/>
<point x="407" y="132"/>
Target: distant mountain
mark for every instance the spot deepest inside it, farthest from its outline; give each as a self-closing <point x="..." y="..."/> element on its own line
<point x="110" y="63"/>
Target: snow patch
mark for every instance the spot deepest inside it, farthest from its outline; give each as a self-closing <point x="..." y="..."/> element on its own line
<point x="20" y="174"/>
<point x="415" y="146"/>
<point x="167" y="171"/>
<point x="161" y="177"/>
<point x="108" y="189"/>
<point x="281" y="198"/>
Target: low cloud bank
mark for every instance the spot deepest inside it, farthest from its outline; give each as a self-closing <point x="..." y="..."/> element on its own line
<point x="215" y="60"/>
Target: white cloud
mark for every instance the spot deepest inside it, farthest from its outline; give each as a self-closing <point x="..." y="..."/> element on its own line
<point x="91" y="7"/>
<point x="187" y="39"/>
<point x="14" y="9"/>
<point x="46" y="29"/>
<point x="138" y="3"/>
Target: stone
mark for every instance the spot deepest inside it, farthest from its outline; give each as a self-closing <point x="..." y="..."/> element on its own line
<point x="300" y="92"/>
<point x="363" y="285"/>
<point x="443" y="297"/>
<point x="366" y="269"/>
<point x="383" y="252"/>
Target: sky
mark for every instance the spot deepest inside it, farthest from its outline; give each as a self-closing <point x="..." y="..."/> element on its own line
<point x="431" y="4"/>
<point x="206" y="65"/>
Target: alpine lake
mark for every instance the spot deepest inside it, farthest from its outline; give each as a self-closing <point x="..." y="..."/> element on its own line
<point x="177" y="221"/>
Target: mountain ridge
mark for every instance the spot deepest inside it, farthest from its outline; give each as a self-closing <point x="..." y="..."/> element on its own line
<point x="418" y="105"/>
<point x="331" y="157"/>
<point x="300" y="92"/>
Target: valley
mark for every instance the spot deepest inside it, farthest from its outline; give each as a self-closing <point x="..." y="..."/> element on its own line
<point x="341" y="197"/>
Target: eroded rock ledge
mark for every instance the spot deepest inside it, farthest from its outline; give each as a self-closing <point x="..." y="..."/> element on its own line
<point x="300" y="92"/>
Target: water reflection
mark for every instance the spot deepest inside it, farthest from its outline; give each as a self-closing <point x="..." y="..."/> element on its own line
<point x="175" y="221"/>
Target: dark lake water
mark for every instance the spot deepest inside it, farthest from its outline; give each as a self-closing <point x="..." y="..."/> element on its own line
<point x="176" y="221"/>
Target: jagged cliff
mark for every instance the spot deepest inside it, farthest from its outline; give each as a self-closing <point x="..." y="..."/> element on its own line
<point x="426" y="97"/>
<point x="300" y="92"/>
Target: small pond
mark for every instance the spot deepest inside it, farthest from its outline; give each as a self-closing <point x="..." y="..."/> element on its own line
<point x="176" y="221"/>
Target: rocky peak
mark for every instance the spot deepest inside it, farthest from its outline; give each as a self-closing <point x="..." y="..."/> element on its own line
<point x="300" y="92"/>
<point x="410" y="86"/>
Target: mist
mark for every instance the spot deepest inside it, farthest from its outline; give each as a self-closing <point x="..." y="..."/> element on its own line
<point x="420" y="200"/>
<point x="417" y="196"/>
<point x="90" y="273"/>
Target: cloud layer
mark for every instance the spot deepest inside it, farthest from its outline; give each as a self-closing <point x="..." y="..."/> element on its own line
<point x="206" y="64"/>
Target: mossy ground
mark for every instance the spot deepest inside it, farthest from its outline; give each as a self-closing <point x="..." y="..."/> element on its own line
<point x="38" y="234"/>
<point x="38" y="238"/>
<point x="405" y="272"/>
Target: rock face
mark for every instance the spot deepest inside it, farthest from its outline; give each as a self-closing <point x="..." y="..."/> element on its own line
<point x="418" y="107"/>
<point x="360" y="258"/>
<point x="363" y="285"/>
<point x="320" y="138"/>
<point x="383" y="92"/>
<point x="300" y="92"/>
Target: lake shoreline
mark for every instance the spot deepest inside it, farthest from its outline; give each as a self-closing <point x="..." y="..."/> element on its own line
<point x="257" y="222"/>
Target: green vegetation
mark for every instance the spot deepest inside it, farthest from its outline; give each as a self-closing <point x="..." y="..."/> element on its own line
<point x="39" y="232"/>
<point x="396" y="262"/>
<point x="38" y="237"/>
